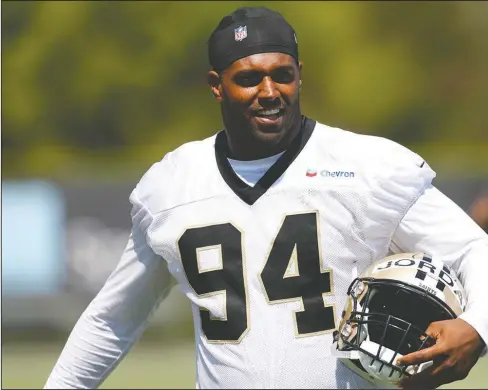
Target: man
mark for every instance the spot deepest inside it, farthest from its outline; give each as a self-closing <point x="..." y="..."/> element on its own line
<point x="265" y="225"/>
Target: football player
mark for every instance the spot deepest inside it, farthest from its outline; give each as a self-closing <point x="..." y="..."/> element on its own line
<point x="264" y="226"/>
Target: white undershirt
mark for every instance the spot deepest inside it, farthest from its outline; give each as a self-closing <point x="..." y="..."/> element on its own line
<point x="251" y="171"/>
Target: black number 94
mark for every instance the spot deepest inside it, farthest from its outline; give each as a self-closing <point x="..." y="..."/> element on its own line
<point x="295" y="244"/>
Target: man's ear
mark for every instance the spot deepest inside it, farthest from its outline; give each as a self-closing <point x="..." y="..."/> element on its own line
<point x="213" y="80"/>
<point x="300" y="64"/>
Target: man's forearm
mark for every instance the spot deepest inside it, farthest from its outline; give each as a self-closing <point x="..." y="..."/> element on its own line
<point x="92" y="352"/>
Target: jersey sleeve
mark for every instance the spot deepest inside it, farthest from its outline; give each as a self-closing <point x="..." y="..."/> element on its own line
<point x="437" y="226"/>
<point x="117" y="316"/>
<point x="397" y="177"/>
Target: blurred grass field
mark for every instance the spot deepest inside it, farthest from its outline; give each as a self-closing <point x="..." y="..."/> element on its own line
<point x="148" y="366"/>
<point x="168" y="365"/>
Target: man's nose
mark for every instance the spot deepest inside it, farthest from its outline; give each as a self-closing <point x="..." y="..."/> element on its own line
<point x="268" y="93"/>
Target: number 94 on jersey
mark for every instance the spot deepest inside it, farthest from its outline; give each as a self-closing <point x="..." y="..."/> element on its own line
<point x="292" y="272"/>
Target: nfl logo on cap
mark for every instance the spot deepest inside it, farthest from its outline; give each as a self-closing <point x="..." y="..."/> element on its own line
<point x="240" y="33"/>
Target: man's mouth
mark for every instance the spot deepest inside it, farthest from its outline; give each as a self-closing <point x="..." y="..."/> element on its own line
<point x="270" y="114"/>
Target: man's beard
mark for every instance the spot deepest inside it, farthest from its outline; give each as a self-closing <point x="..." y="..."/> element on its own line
<point x="243" y="135"/>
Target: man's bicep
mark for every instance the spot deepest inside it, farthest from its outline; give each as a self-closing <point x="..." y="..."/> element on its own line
<point x="437" y="226"/>
<point x="136" y="286"/>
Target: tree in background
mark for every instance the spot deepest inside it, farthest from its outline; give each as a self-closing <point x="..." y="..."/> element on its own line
<point x="104" y="87"/>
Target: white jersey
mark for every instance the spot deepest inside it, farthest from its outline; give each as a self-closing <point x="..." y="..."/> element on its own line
<point x="265" y="266"/>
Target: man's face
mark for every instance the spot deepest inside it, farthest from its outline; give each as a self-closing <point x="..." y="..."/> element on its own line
<point x="259" y="94"/>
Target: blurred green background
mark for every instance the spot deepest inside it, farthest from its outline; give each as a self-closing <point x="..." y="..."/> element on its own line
<point x="109" y="84"/>
<point x="95" y="92"/>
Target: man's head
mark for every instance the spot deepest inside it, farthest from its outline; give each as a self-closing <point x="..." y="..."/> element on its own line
<point x="256" y="79"/>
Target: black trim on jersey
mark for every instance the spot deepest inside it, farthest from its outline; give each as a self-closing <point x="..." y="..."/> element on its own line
<point x="251" y="194"/>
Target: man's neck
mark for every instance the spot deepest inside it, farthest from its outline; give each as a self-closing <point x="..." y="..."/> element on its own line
<point x="254" y="149"/>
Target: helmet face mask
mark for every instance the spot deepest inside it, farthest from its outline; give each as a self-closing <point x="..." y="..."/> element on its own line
<point x="388" y="311"/>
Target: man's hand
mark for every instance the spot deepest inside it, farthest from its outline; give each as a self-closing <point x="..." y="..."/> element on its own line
<point x="457" y="349"/>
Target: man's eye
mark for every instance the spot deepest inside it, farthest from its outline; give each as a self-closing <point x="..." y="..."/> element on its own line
<point x="248" y="80"/>
<point x="283" y="77"/>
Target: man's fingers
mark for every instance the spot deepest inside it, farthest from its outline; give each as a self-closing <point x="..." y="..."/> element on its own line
<point x="452" y="356"/>
<point x="431" y="378"/>
<point x="425" y="354"/>
<point x="419" y="380"/>
<point x="433" y="330"/>
<point x="421" y="356"/>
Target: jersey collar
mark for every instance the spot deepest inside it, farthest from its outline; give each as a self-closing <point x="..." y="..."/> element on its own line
<point x="250" y="194"/>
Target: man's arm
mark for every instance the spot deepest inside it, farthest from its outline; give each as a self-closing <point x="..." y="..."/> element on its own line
<point x="437" y="226"/>
<point x="114" y="320"/>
